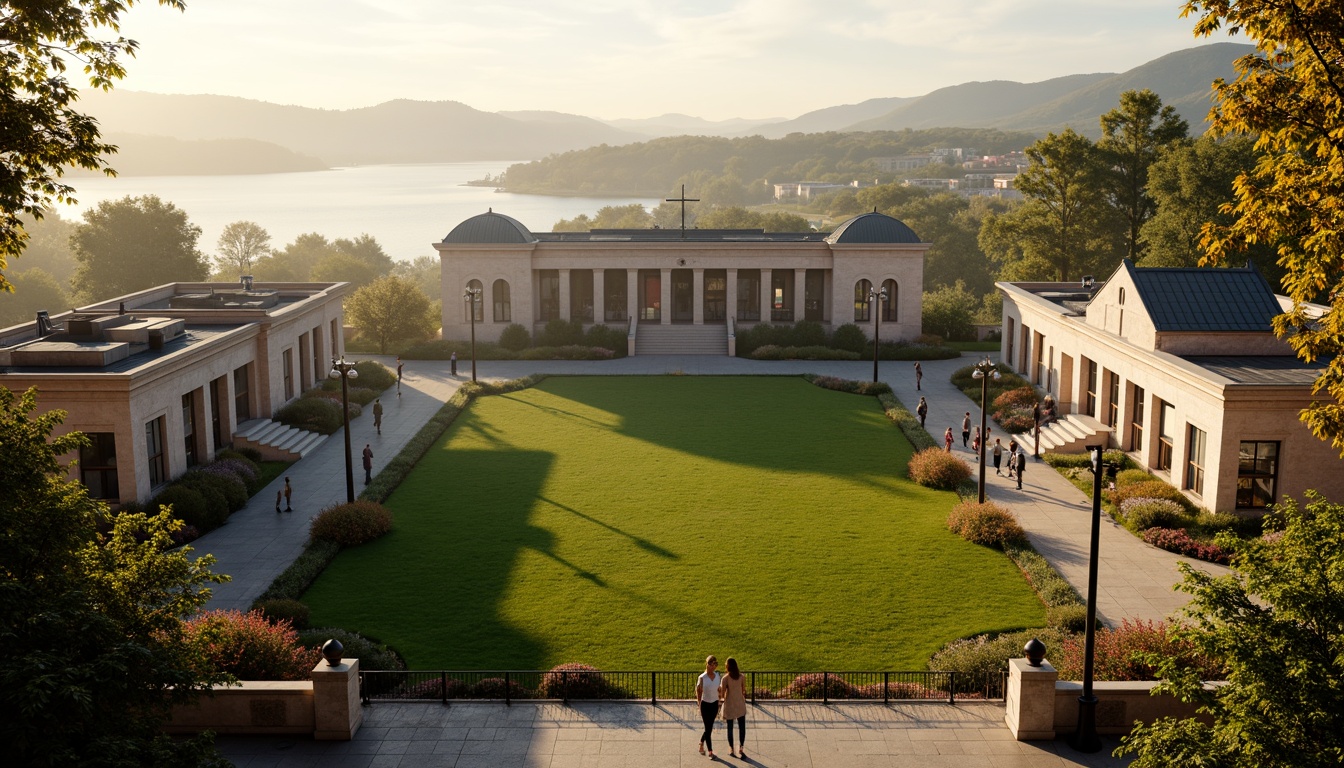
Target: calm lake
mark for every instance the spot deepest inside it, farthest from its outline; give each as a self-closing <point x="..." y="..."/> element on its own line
<point x="406" y="207"/>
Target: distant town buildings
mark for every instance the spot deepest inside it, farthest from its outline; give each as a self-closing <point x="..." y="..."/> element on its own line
<point x="806" y="190"/>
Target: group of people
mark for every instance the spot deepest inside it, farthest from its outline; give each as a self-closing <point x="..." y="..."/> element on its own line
<point x="722" y="695"/>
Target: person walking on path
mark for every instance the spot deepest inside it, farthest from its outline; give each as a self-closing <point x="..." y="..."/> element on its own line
<point x="368" y="463"/>
<point x="919" y="375"/>
<point x="735" y="707"/>
<point x="966" y="429"/>
<point x="947" y="440"/>
<point x="998" y="456"/>
<point x="1021" y="467"/>
<point x="452" y="362"/>
<point x="399" y="367"/>
<point x="1012" y="459"/>
<point x="378" y="415"/>
<point x="922" y="411"/>
<point x="288" y="490"/>
<point x="707" y="696"/>
<point x="975" y="442"/>
<point x="279" y="494"/>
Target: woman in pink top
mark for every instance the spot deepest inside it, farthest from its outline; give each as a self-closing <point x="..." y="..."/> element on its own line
<point x="947" y="440"/>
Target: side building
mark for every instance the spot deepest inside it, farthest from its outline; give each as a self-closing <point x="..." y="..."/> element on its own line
<point x="647" y="281"/>
<point x="161" y="379"/>
<point x="1180" y="368"/>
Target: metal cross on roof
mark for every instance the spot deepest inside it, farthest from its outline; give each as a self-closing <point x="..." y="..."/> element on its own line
<point x="683" y="200"/>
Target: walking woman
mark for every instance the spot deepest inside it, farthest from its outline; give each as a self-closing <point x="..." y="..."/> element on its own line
<point x="735" y="707"/>
<point x="947" y="440"/>
<point x="707" y="695"/>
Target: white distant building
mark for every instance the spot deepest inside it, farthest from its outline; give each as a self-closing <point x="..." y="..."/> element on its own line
<point x="677" y="291"/>
<point x="805" y="190"/>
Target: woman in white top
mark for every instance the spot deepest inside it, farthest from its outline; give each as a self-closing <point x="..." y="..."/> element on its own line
<point x="707" y="694"/>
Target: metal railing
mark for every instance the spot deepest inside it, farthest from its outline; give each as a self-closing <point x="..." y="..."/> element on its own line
<point x="654" y="686"/>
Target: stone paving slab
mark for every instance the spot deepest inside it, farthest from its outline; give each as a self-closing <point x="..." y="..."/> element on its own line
<point x="779" y="734"/>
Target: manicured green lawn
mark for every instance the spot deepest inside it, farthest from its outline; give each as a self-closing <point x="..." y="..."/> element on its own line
<point x="644" y="522"/>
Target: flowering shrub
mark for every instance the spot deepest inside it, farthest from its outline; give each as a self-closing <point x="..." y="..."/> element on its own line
<point x="1118" y="653"/>
<point x="1016" y="399"/>
<point x="1141" y="514"/>
<point x="773" y="352"/>
<point x="280" y="610"/>
<point x="579" y="681"/>
<point x="496" y="688"/>
<point x="243" y="469"/>
<point x="936" y="468"/>
<point x="985" y="654"/>
<point x="851" y="386"/>
<point x="1129" y="477"/>
<point x="1178" y="541"/>
<point x="352" y="524"/>
<point x="185" y="535"/>
<point x="987" y="524"/>
<point x="1150" y="489"/>
<point x="567" y="352"/>
<point x="809" y="686"/>
<point x="248" y="646"/>
<point x="1015" y="423"/>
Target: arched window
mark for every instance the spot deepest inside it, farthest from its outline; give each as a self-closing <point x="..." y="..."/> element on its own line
<point x="503" y="309"/>
<point x="861" y="307"/>
<point x="478" y="305"/>
<point x="890" y="306"/>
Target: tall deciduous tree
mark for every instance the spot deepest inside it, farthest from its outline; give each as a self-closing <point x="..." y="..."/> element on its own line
<point x="92" y="622"/>
<point x="950" y="312"/>
<point x="34" y="290"/>
<point x="135" y="243"/>
<point x="1065" y="228"/>
<point x="41" y="133"/>
<point x="391" y="309"/>
<point x="1133" y="135"/>
<point x="1290" y="95"/>
<point x="240" y="245"/>
<point x="1277" y="623"/>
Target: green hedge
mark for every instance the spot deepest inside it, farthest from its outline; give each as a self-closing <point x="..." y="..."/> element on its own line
<point x="295" y="580"/>
<point x="907" y="422"/>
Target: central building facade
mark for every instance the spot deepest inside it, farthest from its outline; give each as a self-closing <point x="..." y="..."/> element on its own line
<point x="643" y="278"/>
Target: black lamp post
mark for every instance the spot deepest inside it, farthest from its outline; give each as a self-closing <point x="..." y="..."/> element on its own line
<point x="473" y="298"/>
<point x="345" y="371"/>
<point x="1085" y="739"/>
<point x="984" y="371"/>
<point x="876" y="297"/>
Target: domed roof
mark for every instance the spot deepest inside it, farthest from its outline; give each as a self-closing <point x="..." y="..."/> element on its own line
<point x="490" y="227"/>
<point x="873" y="228"/>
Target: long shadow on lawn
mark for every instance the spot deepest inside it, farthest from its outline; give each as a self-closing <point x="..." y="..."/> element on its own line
<point x="642" y="543"/>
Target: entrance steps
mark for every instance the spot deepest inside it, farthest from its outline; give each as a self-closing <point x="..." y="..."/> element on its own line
<point x="1069" y="434"/>
<point x="651" y="339"/>
<point x="275" y="441"/>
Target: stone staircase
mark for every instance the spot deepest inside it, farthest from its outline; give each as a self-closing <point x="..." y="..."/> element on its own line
<point x="1069" y="434"/>
<point x="681" y="340"/>
<point x="275" y="441"/>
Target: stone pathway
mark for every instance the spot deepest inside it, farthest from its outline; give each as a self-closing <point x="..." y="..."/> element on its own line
<point x="602" y="735"/>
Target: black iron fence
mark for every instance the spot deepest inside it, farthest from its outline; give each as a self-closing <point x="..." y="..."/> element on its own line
<point x="591" y="685"/>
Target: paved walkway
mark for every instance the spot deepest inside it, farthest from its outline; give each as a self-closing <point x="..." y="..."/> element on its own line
<point x="602" y="735"/>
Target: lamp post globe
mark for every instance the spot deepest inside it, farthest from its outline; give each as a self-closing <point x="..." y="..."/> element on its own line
<point x="876" y="297"/>
<point x="985" y="370"/>
<point x="340" y="369"/>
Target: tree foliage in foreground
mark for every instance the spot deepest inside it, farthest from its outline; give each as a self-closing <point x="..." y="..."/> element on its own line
<point x="41" y="133"/>
<point x="1277" y="622"/>
<point x="91" y="612"/>
<point x="1290" y="95"/>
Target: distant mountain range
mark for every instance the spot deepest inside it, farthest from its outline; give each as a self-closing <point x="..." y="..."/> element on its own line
<point x="202" y="134"/>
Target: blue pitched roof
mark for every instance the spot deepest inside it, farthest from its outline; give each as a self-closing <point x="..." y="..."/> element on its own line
<point x="1205" y="299"/>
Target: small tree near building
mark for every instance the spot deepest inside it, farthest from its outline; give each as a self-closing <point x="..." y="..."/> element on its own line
<point x="391" y="309"/>
<point x="950" y="312"/>
<point x="240" y="245"/>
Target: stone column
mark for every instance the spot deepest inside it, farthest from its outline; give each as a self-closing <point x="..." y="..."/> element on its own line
<point x="731" y="295"/>
<point x="564" y="294"/>
<point x="632" y="294"/>
<point x="698" y="296"/>
<point x="1030" y="700"/>
<point x="665" y="298"/>
<point x="599" y="296"/>
<point x="767" y="296"/>
<point x="336" y="707"/>
<point x="799" y="293"/>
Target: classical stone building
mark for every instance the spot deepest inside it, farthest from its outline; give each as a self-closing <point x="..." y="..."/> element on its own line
<point x="161" y="379"/>
<point x="1180" y="368"/>
<point x="681" y="290"/>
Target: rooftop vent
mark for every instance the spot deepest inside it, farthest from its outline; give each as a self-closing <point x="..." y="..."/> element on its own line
<point x="44" y="325"/>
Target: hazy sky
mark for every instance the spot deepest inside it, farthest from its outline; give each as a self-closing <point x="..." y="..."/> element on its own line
<point x="634" y="58"/>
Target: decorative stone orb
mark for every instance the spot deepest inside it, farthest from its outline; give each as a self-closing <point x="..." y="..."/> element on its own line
<point x="1034" y="649"/>
<point x="331" y="651"/>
